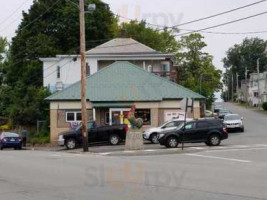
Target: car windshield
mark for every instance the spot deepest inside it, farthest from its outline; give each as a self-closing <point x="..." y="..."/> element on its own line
<point x="180" y="126"/>
<point x="10" y="135"/>
<point x="224" y="111"/>
<point x="232" y="117"/>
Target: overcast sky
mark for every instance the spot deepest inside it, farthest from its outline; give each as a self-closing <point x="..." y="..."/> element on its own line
<point x="169" y="12"/>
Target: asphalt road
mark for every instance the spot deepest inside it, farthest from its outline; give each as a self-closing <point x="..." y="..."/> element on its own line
<point x="237" y="170"/>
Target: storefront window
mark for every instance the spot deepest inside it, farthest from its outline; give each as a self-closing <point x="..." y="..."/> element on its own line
<point x="144" y="114"/>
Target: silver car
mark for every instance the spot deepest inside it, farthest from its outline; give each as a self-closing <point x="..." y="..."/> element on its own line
<point x="234" y="122"/>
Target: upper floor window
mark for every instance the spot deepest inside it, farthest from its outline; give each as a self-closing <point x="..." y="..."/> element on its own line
<point x="87" y="69"/>
<point x="58" y="71"/>
<point x="166" y="67"/>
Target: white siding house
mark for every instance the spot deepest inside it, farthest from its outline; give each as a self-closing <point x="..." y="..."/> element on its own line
<point x="64" y="70"/>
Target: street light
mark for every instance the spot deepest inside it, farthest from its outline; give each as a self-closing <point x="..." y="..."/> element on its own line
<point x="91" y="8"/>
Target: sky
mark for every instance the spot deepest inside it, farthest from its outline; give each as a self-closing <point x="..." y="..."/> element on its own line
<point x="169" y="13"/>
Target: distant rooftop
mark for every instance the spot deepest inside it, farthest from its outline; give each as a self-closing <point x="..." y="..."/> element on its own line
<point x="122" y="46"/>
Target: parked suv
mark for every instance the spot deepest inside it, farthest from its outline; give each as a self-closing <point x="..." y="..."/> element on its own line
<point x="210" y="131"/>
<point x="151" y="133"/>
<point x="234" y="122"/>
<point x="113" y="134"/>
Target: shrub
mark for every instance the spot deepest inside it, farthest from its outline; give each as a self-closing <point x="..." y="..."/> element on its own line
<point x="264" y="106"/>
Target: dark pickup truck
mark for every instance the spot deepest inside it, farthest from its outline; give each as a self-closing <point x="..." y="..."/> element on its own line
<point x="113" y="134"/>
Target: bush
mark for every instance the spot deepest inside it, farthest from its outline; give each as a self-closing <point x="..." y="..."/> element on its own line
<point x="264" y="106"/>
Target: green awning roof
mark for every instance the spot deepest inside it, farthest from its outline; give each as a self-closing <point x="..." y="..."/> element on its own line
<point x="125" y="82"/>
<point x="112" y="105"/>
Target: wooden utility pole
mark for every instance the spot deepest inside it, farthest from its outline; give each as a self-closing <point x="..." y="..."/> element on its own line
<point x="83" y="76"/>
<point x="258" y="80"/>
<point x="232" y="87"/>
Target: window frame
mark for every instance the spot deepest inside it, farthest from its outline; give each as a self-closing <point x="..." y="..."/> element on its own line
<point x="75" y="116"/>
<point x="58" y="72"/>
<point x="144" y="109"/>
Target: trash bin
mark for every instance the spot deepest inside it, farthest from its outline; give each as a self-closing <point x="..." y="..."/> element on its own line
<point x="24" y="137"/>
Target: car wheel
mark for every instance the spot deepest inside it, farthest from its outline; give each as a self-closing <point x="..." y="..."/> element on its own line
<point x="172" y="142"/>
<point x="71" y="143"/>
<point x="1" y="147"/>
<point x="154" y="138"/>
<point x="214" y="140"/>
<point x="114" y="139"/>
<point x="242" y="129"/>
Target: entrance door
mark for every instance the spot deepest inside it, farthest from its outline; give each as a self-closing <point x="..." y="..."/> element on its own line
<point x="118" y="115"/>
<point x="115" y="117"/>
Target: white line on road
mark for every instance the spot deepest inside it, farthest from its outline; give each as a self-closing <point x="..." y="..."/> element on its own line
<point x="223" y="150"/>
<point x="197" y="148"/>
<point x="221" y="158"/>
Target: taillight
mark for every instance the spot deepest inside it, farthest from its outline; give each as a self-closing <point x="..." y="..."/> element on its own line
<point x="126" y="128"/>
<point x="3" y="139"/>
<point x="19" y="139"/>
<point x="225" y="129"/>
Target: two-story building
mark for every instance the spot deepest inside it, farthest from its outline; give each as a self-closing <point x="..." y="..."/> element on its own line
<point x="63" y="70"/>
<point x="112" y="91"/>
<point x="257" y="88"/>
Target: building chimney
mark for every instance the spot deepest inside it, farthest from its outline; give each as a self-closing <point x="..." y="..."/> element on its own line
<point x="122" y="33"/>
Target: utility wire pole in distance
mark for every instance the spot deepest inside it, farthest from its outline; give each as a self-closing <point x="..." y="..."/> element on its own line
<point x="83" y="76"/>
<point x="258" y="75"/>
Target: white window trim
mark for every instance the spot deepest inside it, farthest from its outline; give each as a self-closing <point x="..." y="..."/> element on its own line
<point x="75" y="116"/>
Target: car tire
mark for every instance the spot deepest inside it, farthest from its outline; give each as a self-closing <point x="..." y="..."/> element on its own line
<point x="71" y="143"/>
<point x="114" y="139"/>
<point x="1" y="148"/>
<point x="172" y="142"/>
<point x="154" y="138"/>
<point x="242" y="130"/>
<point x="214" y="140"/>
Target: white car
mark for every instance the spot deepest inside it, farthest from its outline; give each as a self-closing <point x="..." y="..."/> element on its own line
<point x="152" y="133"/>
<point x="233" y="122"/>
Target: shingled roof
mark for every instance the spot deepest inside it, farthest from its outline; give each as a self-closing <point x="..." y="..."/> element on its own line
<point x="125" y="82"/>
<point x="121" y="46"/>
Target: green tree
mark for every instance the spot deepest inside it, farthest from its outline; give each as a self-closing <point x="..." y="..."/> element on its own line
<point x="197" y="71"/>
<point x="50" y="27"/>
<point x="162" y="41"/>
<point x="242" y="56"/>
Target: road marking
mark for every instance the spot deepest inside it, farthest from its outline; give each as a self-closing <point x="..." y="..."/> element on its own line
<point x="129" y="151"/>
<point x="221" y="158"/>
<point x="104" y="154"/>
<point x="238" y="146"/>
<point x="197" y="148"/>
<point x="224" y="150"/>
<point x="150" y="150"/>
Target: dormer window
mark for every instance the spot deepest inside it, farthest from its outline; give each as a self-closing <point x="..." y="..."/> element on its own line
<point x="58" y="72"/>
<point x="166" y="67"/>
<point x="87" y="69"/>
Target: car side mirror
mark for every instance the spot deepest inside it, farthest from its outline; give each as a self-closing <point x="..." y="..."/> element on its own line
<point x="242" y="118"/>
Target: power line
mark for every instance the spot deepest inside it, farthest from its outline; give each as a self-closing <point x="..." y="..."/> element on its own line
<point x="223" y="24"/>
<point x="215" y="15"/>
<point x="228" y="33"/>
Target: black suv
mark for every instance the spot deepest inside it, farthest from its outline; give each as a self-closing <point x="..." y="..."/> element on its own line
<point x="210" y="131"/>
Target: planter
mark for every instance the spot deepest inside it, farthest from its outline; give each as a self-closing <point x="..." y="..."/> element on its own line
<point x="134" y="140"/>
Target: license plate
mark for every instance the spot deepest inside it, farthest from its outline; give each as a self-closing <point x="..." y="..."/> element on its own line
<point x="232" y="126"/>
<point x="12" y="140"/>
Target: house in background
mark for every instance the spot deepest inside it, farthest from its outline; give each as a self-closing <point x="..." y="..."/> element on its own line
<point x="64" y="70"/>
<point x="257" y="88"/>
<point x="112" y="91"/>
